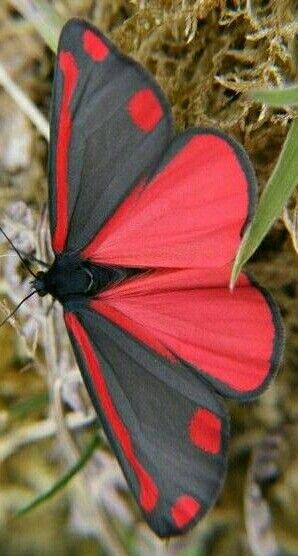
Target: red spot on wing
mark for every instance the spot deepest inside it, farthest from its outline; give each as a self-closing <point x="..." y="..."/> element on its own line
<point x="205" y="431"/>
<point x="148" y="495"/>
<point x="68" y="67"/>
<point x="94" y="46"/>
<point x="184" y="510"/>
<point x="145" y="110"/>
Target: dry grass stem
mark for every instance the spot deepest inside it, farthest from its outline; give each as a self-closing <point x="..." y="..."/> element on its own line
<point x="24" y="103"/>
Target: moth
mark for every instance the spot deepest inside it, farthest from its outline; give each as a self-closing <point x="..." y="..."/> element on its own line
<point x="144" y="227"/>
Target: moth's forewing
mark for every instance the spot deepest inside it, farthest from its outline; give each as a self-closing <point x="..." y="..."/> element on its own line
<point x="110" y="122"/>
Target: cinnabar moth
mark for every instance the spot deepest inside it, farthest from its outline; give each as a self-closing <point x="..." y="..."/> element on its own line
<point x="144" y="228"/>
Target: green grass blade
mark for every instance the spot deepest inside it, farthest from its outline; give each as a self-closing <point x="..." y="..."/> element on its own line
<point x="44" y="18"/>
<point x="64" y="480"/>
<point x="34" y="403"/>
<point x="280" y="186"/>
<point x="277" y="97"/>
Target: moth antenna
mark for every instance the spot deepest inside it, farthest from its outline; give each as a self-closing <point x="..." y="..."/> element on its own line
<point x="17" y="252"/>
<point x="17" y="307"/>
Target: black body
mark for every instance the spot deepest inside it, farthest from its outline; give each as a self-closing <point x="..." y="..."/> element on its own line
<point x="69" y="277"/>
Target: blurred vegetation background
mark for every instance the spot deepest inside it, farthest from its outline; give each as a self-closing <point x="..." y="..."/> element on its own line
<point x="207" y="55"/>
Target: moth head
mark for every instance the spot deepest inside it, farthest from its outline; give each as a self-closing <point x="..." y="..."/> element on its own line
<point x="39" y="284"/>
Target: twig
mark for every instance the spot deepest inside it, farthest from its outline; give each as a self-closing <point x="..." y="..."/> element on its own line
<point x="24" y="103"/>
<point x="40" y="431"/>
<point x="44" y="18"/>
<point x="263" y="467"/>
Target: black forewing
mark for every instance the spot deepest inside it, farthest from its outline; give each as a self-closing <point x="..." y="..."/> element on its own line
<point x="166" y="427"/>
<point x="106" y="152"/>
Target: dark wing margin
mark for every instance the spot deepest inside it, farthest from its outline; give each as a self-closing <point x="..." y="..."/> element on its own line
<point x="110" y="123"/>
<point x="169" y="431"/>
